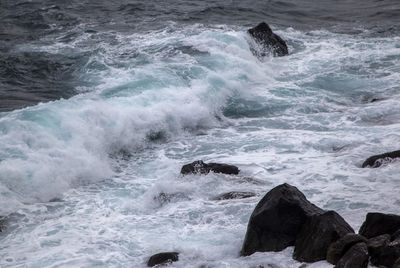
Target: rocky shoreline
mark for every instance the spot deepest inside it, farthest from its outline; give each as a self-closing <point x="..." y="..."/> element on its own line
<point x="284" y="217"/>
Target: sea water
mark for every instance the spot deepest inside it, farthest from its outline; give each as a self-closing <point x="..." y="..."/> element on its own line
<point x="93" y="179"/>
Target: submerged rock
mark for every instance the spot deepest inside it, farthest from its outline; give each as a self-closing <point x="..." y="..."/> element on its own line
<point x="377" y="160"/>
<point x="277" y="219"/>
<point x="378" y="223"/>
<point x="270" y="42"/>
<point x="337" y="249"/>
<point x="317" y="234"/>
<point x="163" y="258"/>
<point x="203" y="168"/>
<point x="164" y="198"/>
<point x="234" y="195"/>
<point x="355" y="257"/>
<point x="2" y="223"/>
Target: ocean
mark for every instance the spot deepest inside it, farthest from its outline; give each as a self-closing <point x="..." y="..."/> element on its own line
<point x="102" y="102"/>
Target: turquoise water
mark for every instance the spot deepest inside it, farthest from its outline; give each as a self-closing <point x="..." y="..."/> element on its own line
<point x="79" y="177"/>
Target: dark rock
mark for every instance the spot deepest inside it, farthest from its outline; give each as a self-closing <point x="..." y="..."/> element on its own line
<point x="234" y="195"/>
<point x="395" y="236"/>
<point x="317" y="233"/>
<point x="163" y="258"/>
<point x="277" y="219"/>
<point x="223" y="168"/>
<point x="378" y="223"/>
<point x="203" y="168"/>
<point x="377" y="160"/>
<point x="355" y="257"/>
<point x="2" y="223"/>
<point x="270" y="42"/>
<point x="337" y="249"/>
<point x="376" y="246"/>
<point x="396" y="263"/>
<point x="195" y="167"/>
<point x="388" y="255"/>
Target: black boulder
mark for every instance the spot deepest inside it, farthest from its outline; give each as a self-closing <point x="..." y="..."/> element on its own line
<point x="317" y="234"/>
<point x="204" y="168"/>
<point x="270" y="42"/>
<point x="277" y="219"/>
<point x="377" y="160"/>
<point x="355" y="257"/>
<point x="378" y="223"/>
<point x="337" y="249"/>
<point x="163" y="258"/>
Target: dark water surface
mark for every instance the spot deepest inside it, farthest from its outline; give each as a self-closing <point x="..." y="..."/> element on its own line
<point x="30" y="76"/>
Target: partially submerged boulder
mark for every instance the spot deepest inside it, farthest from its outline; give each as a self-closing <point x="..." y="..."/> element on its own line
<point x="379" y="223"/>
<point x="337" y="249"/>
<point x="277" y="219"/>
<point x="163" y="258"/>
<point x="377" y="160"/>
<point x="234" y="195"/>
<point x="199" y="166"/>
<point x="269" y="42"/>
<point x="317" y="234"/>
<point x="355" y="257"/>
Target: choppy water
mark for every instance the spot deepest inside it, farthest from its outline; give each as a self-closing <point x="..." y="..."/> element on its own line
<point x="132" y="91"/>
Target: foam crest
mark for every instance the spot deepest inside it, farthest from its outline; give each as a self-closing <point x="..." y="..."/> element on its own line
<point x="52" y="147"/>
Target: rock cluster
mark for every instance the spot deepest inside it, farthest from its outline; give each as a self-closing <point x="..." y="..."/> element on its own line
<point x="284" y="217"/>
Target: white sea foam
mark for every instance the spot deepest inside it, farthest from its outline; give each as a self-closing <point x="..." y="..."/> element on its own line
<point x="304" y="119"/>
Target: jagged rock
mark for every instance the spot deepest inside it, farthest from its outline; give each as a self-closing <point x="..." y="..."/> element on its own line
<point x="203" y="168"/>
<point x="377" y="160"/>
<point x="378" y="223"/>
<point x="317" y="233"/>
<point x="234" y="195"/>
<point x="355" y="257"/>
<point x="270" y="42"/>
<point x="277" y="219"/>
<point x="163" y="258"/>
<point x="337" y="249"/>
<point x="388" y="255"/>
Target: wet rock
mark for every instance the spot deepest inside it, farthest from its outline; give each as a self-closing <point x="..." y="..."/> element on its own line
<point x="388" y="255"/>
<point x="397" y="263"/>
<point x="2" y="223"/>
<point x="164" y="198"/>
<point x="378" y="223"/>
<point x="337" y="249"/>
<point x="317" y="234"/>
<point x="203" y="168"/>
<point x="277" y="219"/>
<point x="234" y="195"/>
<point x="270" y="42"/>
<point x="355" y="257"/>
<point x="377" y="160"/>
<point x="395" y="236"/>
<point x="163" y="258"/>
<point x="376" y="246"/>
